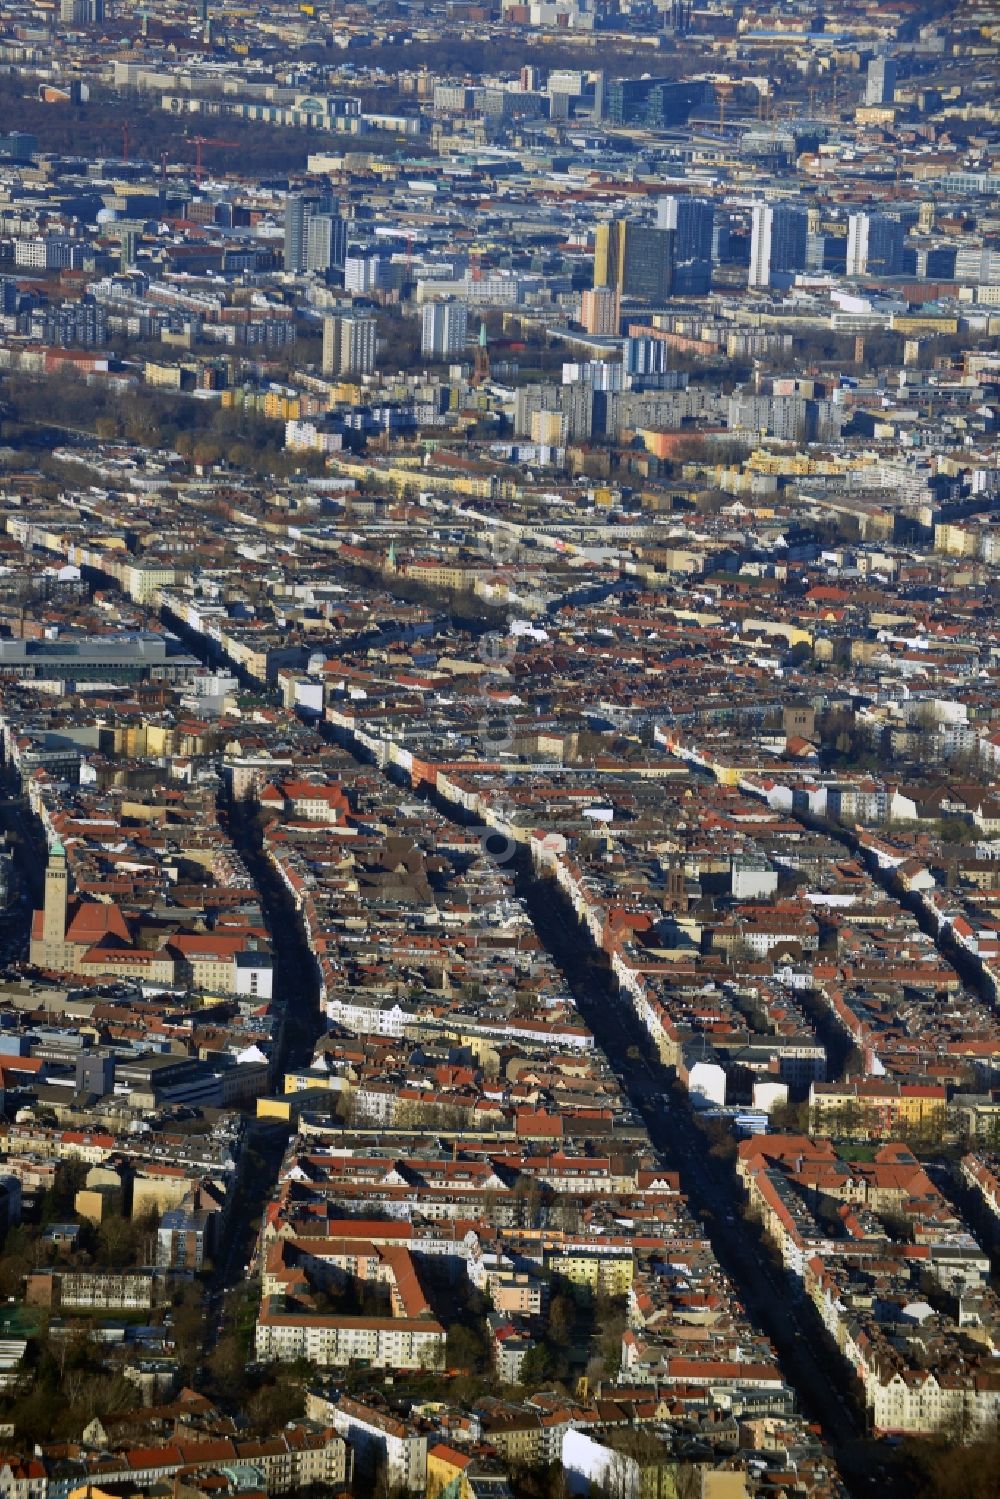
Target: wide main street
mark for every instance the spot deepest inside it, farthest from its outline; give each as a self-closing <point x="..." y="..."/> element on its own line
<point x="809" y="1359"/>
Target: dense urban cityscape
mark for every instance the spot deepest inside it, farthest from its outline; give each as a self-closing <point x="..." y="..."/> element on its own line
<point x="499" y="749"/>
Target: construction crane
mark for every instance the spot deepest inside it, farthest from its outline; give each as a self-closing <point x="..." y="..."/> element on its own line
<point x="198" y="141"/>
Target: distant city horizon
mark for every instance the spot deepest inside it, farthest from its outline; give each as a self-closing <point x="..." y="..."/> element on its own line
<point x="499" y="750"/>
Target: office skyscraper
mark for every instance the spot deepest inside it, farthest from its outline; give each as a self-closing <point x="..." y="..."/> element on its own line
<point x="299" y="209"/>
<point x="81" y="12"/>
<point x="364" y="274"/>
<point x="653" y="102"/>
<point x="692" y="221"/>
<point x="296" y="218"/>
<point x="326" y="242"/>
<point x="349" y="344"/>
<point x="874" y="245"/>
<point x="777" y="243"/>
<point x="444" y="329"/>
<point x="880" y="81"/>
<point x="128" y="240"/>
<point x="634" y="260"/>
<point x="600" y="89"/>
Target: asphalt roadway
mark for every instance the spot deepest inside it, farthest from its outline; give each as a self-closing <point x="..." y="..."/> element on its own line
<point x="809" y="1359"/>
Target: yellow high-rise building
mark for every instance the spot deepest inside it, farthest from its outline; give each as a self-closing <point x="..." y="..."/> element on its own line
<point x="635" y="260"/>
<point x="607" y="255"/>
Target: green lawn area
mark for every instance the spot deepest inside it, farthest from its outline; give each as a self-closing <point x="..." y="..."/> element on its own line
<point x="852" y="1150"/>
<point x="19" y="1321"/>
